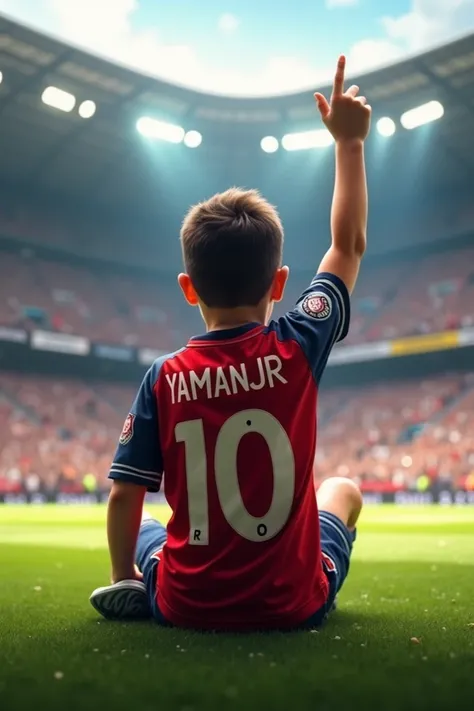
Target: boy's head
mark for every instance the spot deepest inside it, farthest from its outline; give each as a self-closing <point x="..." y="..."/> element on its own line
<point x="232" y="249"/>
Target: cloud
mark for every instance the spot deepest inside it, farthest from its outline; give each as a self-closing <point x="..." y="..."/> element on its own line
<point x="429" y="22"/>
<point x="340" y="3"/>
<point x="107" y="27"/>
<point x="277" y="76"/>
<point x="369" y="53"/>
<point x="228" y="23"/>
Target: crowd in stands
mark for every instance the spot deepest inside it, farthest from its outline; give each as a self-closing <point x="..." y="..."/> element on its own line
<point x="405" y="298"/>
<point x="105" y="307"/>
<point x="394" y="434"/>
<point x="53" y="433"/>
<point x="436" y="294"/>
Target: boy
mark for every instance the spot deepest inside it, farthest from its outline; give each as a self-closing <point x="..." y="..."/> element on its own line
<point x="231" y="420"/>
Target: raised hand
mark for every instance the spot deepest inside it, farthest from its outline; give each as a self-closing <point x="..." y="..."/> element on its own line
<point x="346" y="115"/>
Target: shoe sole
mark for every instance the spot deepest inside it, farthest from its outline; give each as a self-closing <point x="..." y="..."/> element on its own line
<point x="126" y="600"/>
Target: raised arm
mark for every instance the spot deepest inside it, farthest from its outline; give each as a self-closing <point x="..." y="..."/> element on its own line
<point x="347" y="117"/>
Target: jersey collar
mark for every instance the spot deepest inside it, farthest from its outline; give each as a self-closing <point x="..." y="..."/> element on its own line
<point x="227" y="334"/>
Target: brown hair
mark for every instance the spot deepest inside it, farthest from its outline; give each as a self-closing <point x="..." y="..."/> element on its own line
<point x="232" y="246"/>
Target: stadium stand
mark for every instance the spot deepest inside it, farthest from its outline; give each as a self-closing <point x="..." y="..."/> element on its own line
<point x="437" y="295"/>
<point x="58" y="430"/>
<point x="431" y="294"/>
<point x="54" y="432"/>
<point x="95" y="271"/>
<point x="98" y="304"/>
<point x="397" y="433"/>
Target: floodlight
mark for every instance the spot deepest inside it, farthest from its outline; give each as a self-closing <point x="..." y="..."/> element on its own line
<point x="159" y="130"/>
<point x="419" y="116"/>
<point x="192" y="139"/>
<point x="269" y="144"/>
<point x="87" y="109"/>
<point x="386" y="126"/>
<point x="58" y="99"/>
<point x="320" y="138"/>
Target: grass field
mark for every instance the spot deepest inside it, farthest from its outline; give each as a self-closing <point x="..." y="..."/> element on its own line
<point x="412" y="577"/>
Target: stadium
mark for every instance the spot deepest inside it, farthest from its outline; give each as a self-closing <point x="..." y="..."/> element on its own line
<point x="99" y="164"/>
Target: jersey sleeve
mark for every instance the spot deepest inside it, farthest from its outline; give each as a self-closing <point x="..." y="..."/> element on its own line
<point x="138" y="458"/>
<point x="320" y="319"/>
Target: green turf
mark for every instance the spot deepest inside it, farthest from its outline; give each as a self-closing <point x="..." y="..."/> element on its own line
<point x="412" y="576"/>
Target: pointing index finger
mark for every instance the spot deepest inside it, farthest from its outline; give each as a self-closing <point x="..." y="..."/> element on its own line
<point x="338" y="86"/>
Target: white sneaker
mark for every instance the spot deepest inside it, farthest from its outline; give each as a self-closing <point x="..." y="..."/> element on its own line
<point x="126" y="600"/>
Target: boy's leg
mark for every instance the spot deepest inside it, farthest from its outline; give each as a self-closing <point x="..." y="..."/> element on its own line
<point x="342" y="498"/>
<point x="339" y="503"/>
<point x="151" y="539"/>
<point x="132" y="599"/>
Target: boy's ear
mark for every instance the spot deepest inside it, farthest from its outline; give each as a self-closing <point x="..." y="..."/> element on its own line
<point x="279" y="283"/>
<point x="188" y="290"/>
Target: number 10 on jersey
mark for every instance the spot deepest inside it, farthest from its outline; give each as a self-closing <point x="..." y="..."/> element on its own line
<point x="252" y="528"/>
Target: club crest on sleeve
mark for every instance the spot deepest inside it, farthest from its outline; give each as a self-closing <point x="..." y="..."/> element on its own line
<point x="317" y="305"/>
<point x="127" y="431"/>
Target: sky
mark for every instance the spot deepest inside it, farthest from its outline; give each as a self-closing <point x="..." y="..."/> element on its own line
<point x="248" y="47"/>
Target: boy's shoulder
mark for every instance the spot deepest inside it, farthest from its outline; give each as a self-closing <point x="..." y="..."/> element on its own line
<point x="157" y="366"/>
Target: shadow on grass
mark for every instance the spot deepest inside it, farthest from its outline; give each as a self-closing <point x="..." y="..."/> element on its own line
<point x="381" y="604"/>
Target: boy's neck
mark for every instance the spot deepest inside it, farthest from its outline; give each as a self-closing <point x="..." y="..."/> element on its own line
<point x="222" y="319"/>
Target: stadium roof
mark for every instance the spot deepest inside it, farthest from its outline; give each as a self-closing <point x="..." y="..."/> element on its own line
<point x="102" y="157"/>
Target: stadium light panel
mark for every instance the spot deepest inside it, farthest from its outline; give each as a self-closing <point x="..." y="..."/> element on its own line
<point x="320" y="138"/>
<point x="58" y="99"/>
<point x="420" y="115"/>
<point x="159" y="130"/>
<point x="269" y="144"/>
<point x="87" y="109"/>
<point x="386" y="126"/>
<point x="192" y="139"/>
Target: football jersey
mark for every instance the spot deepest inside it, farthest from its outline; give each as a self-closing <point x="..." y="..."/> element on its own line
<point x="230" y="420"/>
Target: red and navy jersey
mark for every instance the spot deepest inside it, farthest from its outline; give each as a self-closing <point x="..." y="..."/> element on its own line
<point x="230" y="420"/>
